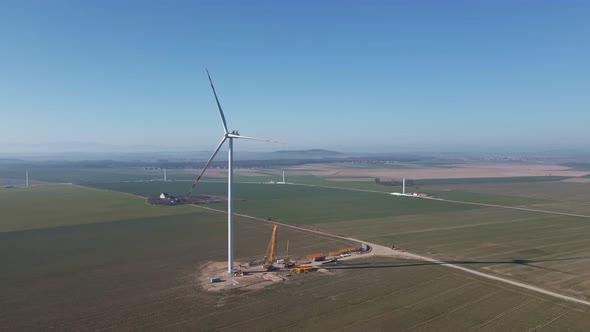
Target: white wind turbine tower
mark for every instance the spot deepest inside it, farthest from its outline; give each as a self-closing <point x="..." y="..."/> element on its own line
<point x="230" y="197"/>
<point x="283" y="179"/>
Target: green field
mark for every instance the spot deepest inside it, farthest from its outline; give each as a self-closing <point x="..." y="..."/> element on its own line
<point x="549" y="250"/>
<point x="551" y="190"/>
<point x="79" y="258"/>
<point x="544" y="249"/>
<point x="295" y="204"/>
<point x="59" y="205"/>
<point x="553" y="196"/>
<point x="141" y="274"/>
<point x="74" y="175"/>
<point x="14" y="175"/>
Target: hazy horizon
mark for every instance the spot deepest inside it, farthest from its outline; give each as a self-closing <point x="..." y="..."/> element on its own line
<point x="90" y="148"/>
<point x="375" y="77"/>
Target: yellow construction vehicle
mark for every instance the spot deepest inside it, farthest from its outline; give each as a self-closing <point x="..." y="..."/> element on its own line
<point x="270" y="254"/>
<point x="303" y="269"/>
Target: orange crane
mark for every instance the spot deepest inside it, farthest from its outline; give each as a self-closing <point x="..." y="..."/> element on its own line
<point x="270" y="254"/>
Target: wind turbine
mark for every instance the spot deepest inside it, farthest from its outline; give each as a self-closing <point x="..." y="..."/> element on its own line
<point x="227" y="136"/>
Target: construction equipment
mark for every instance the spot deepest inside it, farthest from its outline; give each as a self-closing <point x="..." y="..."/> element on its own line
<point x="343" y="251"/>
<point x="270" y="253"/>
<point x="287" y="255"/>
<point x="288" y="263"/>
<point x="239" y="273"/>
<point x="316" y="257"/>
<point x="302" y="269"/>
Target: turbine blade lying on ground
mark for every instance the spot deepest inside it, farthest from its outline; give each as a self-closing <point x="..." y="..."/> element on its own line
<point x="218" y="104"/>
<point x="207" y="165"/>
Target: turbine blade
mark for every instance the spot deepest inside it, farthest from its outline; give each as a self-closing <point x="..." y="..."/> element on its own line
<point x="218" y="104"/>
<point x="207" y="165"/>
<point x="256" y="139"/>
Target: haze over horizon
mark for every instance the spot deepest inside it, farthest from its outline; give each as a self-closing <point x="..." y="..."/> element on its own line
<point x="345" y="76"/>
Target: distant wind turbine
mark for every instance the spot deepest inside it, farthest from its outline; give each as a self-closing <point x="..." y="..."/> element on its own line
<point x="283" y="179"/>
<point x="230" y="178"/>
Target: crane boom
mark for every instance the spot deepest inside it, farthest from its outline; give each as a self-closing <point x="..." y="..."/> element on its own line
<point x="270" y="257"/>
<point x="273" y="244"/>
<point x="287" y="256"/>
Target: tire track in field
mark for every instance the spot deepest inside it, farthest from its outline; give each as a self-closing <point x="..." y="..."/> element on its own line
<point x="463" y="306"/>
<point x="540" y="326"/>
<point x="510" y="207"/>
<point x="249" y="320"/>
<point x="349" y="306"/>
<point x="459" y="227"/>
<point x="403" y="307"/>
<point x="509" y="311"/>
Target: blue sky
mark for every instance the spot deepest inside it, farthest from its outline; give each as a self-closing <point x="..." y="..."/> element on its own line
<point x="345" y="75"/>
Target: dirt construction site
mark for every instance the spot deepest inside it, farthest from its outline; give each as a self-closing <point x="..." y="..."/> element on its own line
<point x="214" y="276"/>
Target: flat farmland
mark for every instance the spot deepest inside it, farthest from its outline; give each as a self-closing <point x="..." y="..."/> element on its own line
<point x="142" y="270"/>
<point x="384" y="295"/>
<point x="16" y="175"/>
<point x="550" y="251"/>
<point x="554" y="195"/>
<point x="441" y="171"/>
<point x="127" y="273"/>
<point x="553" y="190"/>
<point x="295" y="204"/>
<point x="142" y="274"/>
<point x="75" y="174"/>
<point x="542" y="249"/>
<point x="60" y="205"/>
